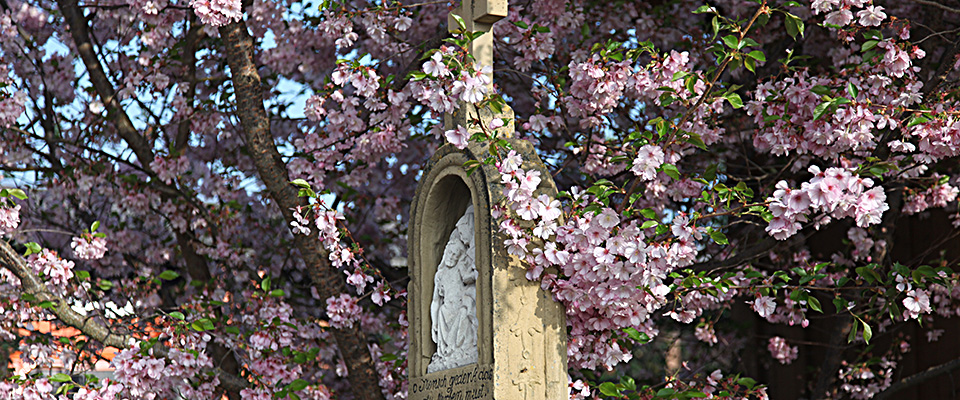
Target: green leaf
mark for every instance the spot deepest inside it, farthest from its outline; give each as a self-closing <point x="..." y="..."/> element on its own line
<point x="178" y="315"/>
<point x="649" y="224"/>
<point x="820" y="110"/>
<point x="300" y="183"/>
<point x="609" y="389"/>
<point x="821" y="90"/>
<point x="105" y="285"/>
<point x="32" y="247"/>
<point x="703" y="9"/>
<point x="734" y="100"/>
<point x="671" y="171"/>
<point x="61" y="377"/>
<point x="719" y="237"/>
<point x="917" y="120"/>
<point x="297" y="385"/>
<point x="265" y="284"/>
<point x="751" y="64"/>
<point x="868" y="273"/>
<point x="731" y="41"/>
<point x="666" y="392"/>
<point x="521" y="24"/>
<point x="636" y="335"/>
<point x="662" y="229"/>
<point x="628" y="383"/>
<point x="853" y="331"/>
<point x="95" y="226"/>
<point x="168" y="275"/>
<point x="814" y="304"/>
<point x="748" y="382"/>
<point x="852" y="90"/>
<point x="17" y="193"/>
<point x="794" y="25"/>
<point x="82" y="275"/>
<point x="867" y="332"/>
<point x="870" y="44"/>
<point x="840" y="303"/>
<point x="276" y="293"/>
<point x="696" y="140"/>
<point x="648" y="213"/>
<point x="201" y="325"/>
<point x="757" y="55"/>
<point x="460" y="22"/>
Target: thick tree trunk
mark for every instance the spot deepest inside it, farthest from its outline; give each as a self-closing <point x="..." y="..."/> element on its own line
<point x="238" y="46"/>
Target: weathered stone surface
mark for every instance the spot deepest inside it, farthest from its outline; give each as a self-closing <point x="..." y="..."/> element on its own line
<point x="522" y="331"/>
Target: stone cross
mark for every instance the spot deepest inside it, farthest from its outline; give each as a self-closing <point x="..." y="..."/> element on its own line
<point x="479" y="16"/>
<point x="479" y="329"/>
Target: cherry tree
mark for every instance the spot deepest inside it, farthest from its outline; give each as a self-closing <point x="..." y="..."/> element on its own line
<point x="219" y="190"/>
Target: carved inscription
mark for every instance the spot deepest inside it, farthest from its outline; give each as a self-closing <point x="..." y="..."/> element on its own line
<point x="472" y="382"/>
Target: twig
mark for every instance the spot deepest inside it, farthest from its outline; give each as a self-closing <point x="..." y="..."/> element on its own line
<point x="938" y="5"/>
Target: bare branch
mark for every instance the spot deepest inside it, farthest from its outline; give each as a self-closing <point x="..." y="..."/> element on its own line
<point x="919" y="378"/>
<point x="938" y="5"/>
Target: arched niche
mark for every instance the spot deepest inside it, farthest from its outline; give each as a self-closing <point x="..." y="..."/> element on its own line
<point x="443" y="195"/>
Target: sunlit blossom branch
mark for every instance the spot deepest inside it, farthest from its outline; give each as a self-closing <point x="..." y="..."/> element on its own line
<point x="89" y="326"/>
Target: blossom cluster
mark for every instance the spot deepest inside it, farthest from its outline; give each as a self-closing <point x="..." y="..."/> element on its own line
<point x="11" y="107"/>
<point x="55" y="270"/>
<point x="862" y="381"/>
<point x="781" y="350"/>
<point x="89" y="247"/>
<point x="217" y="13"/>
<point x="606" y="271"/>
<point x="837" y="192"/>
<point x="140" y="373"/>
<point x="343" y="310"/>
<point x="938" y="195"/>
<point x="9" y="218"/>
<point x="170" y="169"/>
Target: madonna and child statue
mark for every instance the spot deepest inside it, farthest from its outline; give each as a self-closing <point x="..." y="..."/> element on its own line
<point x="453" y="309"/>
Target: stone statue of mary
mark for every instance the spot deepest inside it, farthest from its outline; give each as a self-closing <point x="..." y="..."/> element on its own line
<point x="453" y="309"/>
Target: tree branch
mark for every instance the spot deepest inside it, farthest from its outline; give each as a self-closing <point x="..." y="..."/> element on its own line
<point x="919" y="378"/>
<point x="197" y="267"/>
<point x="32" y="284"/>
<point x="80" y="33"/>
<point x="938" y="5"/>
<point x="239" y="47"/>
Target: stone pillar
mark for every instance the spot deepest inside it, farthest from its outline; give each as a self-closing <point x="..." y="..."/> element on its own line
<point x="521" y="337"/>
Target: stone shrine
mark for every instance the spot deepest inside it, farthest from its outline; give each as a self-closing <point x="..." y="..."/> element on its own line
<point x="478" y="328"/>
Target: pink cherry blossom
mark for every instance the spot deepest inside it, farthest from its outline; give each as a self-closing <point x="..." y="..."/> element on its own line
<point x="458" y="137"/>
